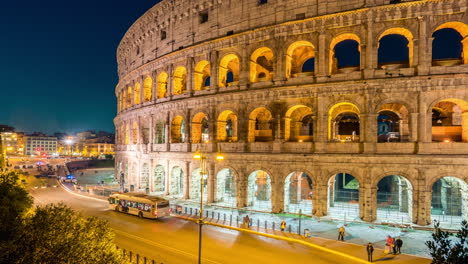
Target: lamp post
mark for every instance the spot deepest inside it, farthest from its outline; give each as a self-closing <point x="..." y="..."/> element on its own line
<point x="203" y="173"/>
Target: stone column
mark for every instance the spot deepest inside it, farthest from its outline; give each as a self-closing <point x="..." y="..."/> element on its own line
<point x="464" y="117"/>
<point x="244" y="69"/>
<point x="167" y="176"/>
<point x="241" y="186"/>
<point x="214" y="70"/>
<point x="154" y="91"/>
<point x="414" y="118"/>
<point x="424" y="122"/>
<point x="277" y="195"/>
<point x="167" y="132"/>
<point x="190" y="75"/>
<point x="363" y="55"/>
<point x="424" y="52"/>
<point x="151" y="133"/>
<point x="170" y="81"/>
<point x="421" y="202"/>
<point x="242" y="126"/>
<point x="279" y="74"/>
<point x="368" y="198"/>
<point x="371" y="46"/>
<point x="187" y="177"/>
<point x="210" y="186"/>
<point x="213" y="129"/>
<point x="320" y="196"/>
<point x="322" y="55"/>
<point x="188" y="128"/>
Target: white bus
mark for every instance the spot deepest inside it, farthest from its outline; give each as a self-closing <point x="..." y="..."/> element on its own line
<point x="139" y="204"/>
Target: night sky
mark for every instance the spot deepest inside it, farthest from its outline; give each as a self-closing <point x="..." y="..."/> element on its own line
<point x="58" y="66"/>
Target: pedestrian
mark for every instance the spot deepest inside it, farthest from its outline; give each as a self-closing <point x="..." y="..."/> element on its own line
<point x="398" y="245"/>
<point x="306" y="233"/>
<point x="283" y="225"/>
<point x="370" y="250"/>
<point x="388" y="244"/>
<point x="394" y="246"/>
<point x="341" y="232"/>
<point x="246" y="221"/>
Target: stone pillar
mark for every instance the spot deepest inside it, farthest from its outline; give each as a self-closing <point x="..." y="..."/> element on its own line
<point x="188" y="127"/>
<point x="368" y="198"/>
<point x="154" y="92"/>
<point x="170" y="81"/>
<point x="424" y="122"/>
<point x="244" y="69"/>
<point x="363" y="55"/>
<point x="151" y="133"/>
<point x="414" y="120"/>
<point x="187" y="177"/>
<point x="214" y="70"/>
<point x="210" y="186"/>
<point x="371" y="46"/>
<point x="242" y="126"/>
<point x="213" y="129"/>
<point x="277" y="196"/>
<point x="167" y="132"/>
<point x="279" y="74"/>
<point x="241" y="186"/>
<point x="322" y="55"/>
<point x="464" y="117"/>
<point x="320" y="196"/>
<point x="190" y="75"/>
<point x="465" y="49"/>
<point x="167" y="176"/>
<point x="423" y="51"/>
<point x="421" y="201"/>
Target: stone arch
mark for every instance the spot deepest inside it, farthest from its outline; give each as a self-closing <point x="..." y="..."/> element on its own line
<point x="298" y="187"/>
<point x="148" y="89"/>
<point x="335" y="64"/>
<point x="394" y="32"/>
<point x="449" y="200"/>
<point x="339" y="116"/>
<point x="178" y="130"/>
<point x="159" y="131"/>
<point x="176" y="181"/>
<point x="129" y="97"/>
<point x="462" y="29"/>
<point x="159" y="179"/>
<point x="200" y="128"/>
<point x="394" y="196"/>
<point x="202" y="75"/>
<point x="260" y="125"/>
<point x="179" y="81"/>
<point x="229" y="70"/>
<point x="261" y="65"/>
<point x="161" y="85"/>
<point x="449" y="120"/>
<point x="299" y="124"/>
<point x="227" y="126"/>
<point x="343" y="196"/>
<point x="392" y="123"/>
<point x="136" y="97"/>
<point x="259" y="191"/>
<point x="299" y="54"/>
<point x="226" y="187"/>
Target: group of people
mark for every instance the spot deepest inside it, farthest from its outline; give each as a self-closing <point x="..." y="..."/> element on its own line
<point x="393" y="245"/>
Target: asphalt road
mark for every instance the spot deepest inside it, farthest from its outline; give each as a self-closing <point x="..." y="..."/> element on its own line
<point x="171" y="240"/>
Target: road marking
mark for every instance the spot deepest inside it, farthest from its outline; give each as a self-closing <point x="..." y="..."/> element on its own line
<point x="168" y="248"/>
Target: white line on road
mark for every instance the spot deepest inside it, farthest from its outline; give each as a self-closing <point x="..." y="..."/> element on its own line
<point x="168" y="248"/>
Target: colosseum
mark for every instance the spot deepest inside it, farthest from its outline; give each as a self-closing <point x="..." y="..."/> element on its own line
<point x="352" y="109"/>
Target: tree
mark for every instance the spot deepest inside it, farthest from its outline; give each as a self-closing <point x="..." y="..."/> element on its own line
<point x="57" y="234"/>
<point x="445" y="249"/>
<point x="15" y="202"/>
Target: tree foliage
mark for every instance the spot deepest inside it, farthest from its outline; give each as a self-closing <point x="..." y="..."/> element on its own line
<point x="444" y="248"/>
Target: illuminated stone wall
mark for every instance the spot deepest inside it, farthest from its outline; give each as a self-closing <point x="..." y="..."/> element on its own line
<point x="258" y="81"/>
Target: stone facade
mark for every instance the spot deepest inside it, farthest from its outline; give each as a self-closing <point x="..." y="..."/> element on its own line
<point x="229" y="76"/>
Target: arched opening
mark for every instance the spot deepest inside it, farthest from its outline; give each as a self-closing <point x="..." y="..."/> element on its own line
<point x="449" y="204"/>
<point x="202" y="76"/>
<point x="450" y="44"/>
<point x="177" y="182"/>
<point x="180" y="81"/>
<point x="161" y="87"/>
<point x="159" y="180"/>
<point x="343" y="197"/>
<point x="394" y="199"/>
<point x="160" y="132"/>
<point x="129" y="97"/>
<point x="135" y="133"/>
<point x="226" y="188"/>
<point x="344" y="123"/>
<point x="450" y="121"/>
<point x="144" y="178"/>
<point x="259" y="191"/>
<point x="148" y="89"/>
<point x="136" y="97"/>
<point x="298" y="193"/>
<point x="227" y="126"/>
<point x="261" y="65"/>
<point x="144" y="133"/>
<point x="200" y="128"/>
<point x="300" y="59"/>
<point x="124" y="99"/>
<point x="392" y="123"/>
<point x="260" y="125"/>
<point x="229" y="69"/>
<point x="345" y="53"/>
<point x="395" y="49"/>
<point x="299" y="124"/>
<point x="195" y="185"/>
<point x="178" y="130"/>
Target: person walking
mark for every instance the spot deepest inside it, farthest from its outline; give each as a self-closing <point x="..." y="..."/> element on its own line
<point x="370" y="250"/>
<point x="247" y="221"/>
<point x="394" y="246"/>
<point x="341" y="232"/>
<point x="283" y="225"/>
<point x="398" y="245"/>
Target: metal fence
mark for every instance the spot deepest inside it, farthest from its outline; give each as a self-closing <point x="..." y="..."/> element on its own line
<point x="135" y="258"/>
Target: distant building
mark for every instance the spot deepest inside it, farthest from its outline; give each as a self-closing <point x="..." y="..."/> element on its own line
<point x="9" y="142"/>
<point x="5" y="128"/>
<point x="40" y="145"/>
<point x="87" y="144"/>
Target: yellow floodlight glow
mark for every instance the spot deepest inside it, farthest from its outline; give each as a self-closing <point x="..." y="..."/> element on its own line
<point x="219" y="156"/>
<point x="197" y="155"/>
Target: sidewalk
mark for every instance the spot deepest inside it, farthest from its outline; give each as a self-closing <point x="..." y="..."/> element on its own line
<point x="323" y="232"/>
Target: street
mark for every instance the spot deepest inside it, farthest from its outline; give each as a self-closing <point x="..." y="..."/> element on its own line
<point x="171" y="240"/>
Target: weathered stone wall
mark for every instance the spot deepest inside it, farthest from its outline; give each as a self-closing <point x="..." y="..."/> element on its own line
<point x="262" y="107"/>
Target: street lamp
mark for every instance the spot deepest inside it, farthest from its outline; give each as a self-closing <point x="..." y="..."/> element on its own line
<point x="202" y="157"/>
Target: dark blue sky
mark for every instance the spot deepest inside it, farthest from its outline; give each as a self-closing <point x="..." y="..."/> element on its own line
<point x="57" y="62"/>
